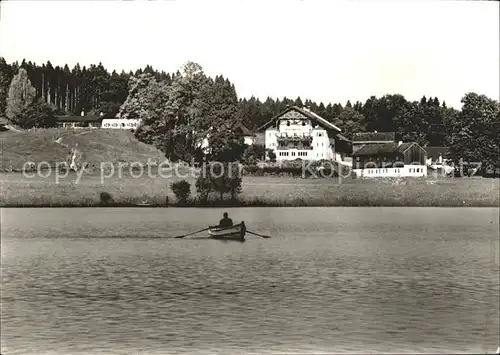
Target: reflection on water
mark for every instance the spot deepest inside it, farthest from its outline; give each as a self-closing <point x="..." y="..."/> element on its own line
<point x="331" y="279"/>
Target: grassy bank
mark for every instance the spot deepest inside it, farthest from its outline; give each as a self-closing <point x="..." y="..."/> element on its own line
<point x="18" y="191"/>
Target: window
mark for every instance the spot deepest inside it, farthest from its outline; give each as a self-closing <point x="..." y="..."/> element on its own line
<point x="319" y="134"/>
<point x="293" y="154"/>
<point x="288" y="123"/>
<point x="303" y="123"/>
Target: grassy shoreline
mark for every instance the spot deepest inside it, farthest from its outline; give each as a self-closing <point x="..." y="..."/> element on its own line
<point x="257" y="192"/>
<point x="49" y="189"/>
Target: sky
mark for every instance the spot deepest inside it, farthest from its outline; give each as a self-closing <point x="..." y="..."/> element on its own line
<point x="324" y="50"/>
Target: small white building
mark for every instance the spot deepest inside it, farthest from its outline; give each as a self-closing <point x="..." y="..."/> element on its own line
<point x="82" y="121"/>
<point x="120" y="123"/>
<point x="298" y="133"/>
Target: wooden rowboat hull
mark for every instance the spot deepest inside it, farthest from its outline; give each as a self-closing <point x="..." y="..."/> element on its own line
<point x="236" y="232"/>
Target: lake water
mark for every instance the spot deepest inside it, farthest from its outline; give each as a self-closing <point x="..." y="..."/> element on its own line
<point x="113" y="281"/>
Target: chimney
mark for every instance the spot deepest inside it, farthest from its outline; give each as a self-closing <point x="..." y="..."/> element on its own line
<point x="399" y="143"/>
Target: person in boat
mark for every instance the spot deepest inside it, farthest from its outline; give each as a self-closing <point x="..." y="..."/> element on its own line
<point x="225" y="221"/>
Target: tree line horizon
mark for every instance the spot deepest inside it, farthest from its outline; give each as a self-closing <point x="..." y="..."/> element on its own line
<point x="470" y="132"/>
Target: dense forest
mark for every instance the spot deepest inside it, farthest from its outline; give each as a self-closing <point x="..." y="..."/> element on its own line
<point x="427" y="121"/>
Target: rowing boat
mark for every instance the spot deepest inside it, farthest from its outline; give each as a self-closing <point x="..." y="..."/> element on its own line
<point x="236" y="232"/>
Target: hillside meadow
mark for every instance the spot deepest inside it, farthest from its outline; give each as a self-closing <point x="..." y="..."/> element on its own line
<point x="52" y="146"/>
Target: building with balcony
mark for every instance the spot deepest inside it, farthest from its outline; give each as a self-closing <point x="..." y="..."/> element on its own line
<point x="298" y="133"/>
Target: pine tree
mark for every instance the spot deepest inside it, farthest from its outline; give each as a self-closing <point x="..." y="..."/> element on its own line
<point x="23" y="107"/>
<point x="21" y="95"/>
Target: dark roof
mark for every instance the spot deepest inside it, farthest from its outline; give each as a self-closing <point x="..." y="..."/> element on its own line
<point x="309" y="114"/>
<point x="435" y="152"/>
<point x="244" y="131"/>
<point x="78" y="118"/>
<point x="384" y="148"/>
<point x="342" y="138"/>
<point x="374" y="137"/>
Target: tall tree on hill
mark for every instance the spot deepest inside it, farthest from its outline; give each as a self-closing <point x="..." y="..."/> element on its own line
<point x="146" y="101"/>
<point x="24" y="109"/>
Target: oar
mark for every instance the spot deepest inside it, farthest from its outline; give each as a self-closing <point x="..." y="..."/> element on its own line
<point x="185" y="235"/>
<point x="259" y="235"/>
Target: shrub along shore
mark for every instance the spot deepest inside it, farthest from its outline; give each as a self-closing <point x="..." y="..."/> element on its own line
<point x="256" y="192"/>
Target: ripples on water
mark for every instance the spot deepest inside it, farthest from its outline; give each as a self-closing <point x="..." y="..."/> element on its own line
<point x="331" y="279"/>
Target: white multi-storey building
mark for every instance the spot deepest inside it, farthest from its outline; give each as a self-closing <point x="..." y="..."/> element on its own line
<point x="298" y="133"/>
